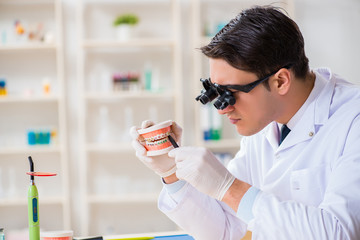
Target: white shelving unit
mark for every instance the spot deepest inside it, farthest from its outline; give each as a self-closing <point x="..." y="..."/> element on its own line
<point x="24" y="64"/>
<point x="208" y="16"/>
<point x="116" y="187"/>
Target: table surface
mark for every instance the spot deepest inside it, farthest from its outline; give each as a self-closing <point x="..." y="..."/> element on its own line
<point x="158" y="234"/>
<point x="144" y="235"/>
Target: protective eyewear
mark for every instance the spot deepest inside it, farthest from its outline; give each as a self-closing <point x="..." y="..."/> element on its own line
<point x="223" y="93"/>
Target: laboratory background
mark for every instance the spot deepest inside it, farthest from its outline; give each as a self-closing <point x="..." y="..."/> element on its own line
<point x="75" y="75"/>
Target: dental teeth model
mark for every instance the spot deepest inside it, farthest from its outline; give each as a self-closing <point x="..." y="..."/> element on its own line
<point x="156" y="138"/>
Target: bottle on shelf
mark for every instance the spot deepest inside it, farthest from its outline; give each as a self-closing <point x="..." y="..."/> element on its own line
<point x="148" y="77"/>
<point x="3" y="91"/>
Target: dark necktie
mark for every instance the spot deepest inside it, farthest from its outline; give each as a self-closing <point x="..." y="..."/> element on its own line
<point x="284" y="132"/>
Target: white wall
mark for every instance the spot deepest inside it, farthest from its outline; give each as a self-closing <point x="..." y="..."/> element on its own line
<point x="331" y="30"/>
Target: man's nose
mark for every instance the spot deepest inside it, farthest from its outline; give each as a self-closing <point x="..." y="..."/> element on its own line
<point x="226" y="110"/>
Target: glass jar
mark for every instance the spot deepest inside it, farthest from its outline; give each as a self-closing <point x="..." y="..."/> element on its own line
<point x="2" y="234"/>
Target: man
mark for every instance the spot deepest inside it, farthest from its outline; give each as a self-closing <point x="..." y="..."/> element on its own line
<point x="304" y="186"/>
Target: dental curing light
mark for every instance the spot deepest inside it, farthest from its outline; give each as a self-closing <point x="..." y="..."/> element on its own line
<point x="33" y="202"/>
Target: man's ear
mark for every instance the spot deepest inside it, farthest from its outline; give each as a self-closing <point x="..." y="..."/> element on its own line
<point x="281" y="81"/>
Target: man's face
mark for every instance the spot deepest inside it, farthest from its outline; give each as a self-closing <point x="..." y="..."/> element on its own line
<point x="252" y="111"/>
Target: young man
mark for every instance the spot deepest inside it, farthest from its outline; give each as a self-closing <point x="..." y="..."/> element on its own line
<point x="304" y="186"/>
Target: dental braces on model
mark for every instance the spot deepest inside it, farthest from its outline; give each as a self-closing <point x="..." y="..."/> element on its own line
<point x="156" y="138"/>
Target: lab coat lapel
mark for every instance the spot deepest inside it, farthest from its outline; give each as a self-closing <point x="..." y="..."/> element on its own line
<point x="272" y="135"/>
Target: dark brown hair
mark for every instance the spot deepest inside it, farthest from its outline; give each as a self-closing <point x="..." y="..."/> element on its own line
<point x="260" y="40"/>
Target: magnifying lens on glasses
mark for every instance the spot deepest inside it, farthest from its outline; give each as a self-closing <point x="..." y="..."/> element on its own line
<point x="211" y="91"/>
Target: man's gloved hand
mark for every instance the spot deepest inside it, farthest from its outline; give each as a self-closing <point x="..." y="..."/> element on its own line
<point x="200" y="168"/>
<point x="162" y="165"/>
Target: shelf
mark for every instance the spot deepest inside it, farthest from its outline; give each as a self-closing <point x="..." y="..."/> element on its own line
<point x="8" y="202"/>
<point x="128" y="198"/>
<point x="25" y="64"/>
<point x="30" y="150"/>
<point x="124" y="2"/>
<point x="29" y="46"/>
<point x="26" y="2"/>
<point x="112" y="147"/>
<point x="102" y="54"/>
<point x="28" y="99"/>
<point x="143" y="43"/>
<point x="127" y="95"/>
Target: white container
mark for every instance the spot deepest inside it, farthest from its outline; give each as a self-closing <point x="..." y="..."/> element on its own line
<point x="124" y="32"/>
<point x="57" y="235"/>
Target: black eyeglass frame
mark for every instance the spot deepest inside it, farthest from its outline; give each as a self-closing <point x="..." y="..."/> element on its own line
<point x="248" y="87"/>
<point x="224" y="96"/>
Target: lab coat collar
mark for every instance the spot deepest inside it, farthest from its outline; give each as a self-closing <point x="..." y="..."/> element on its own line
<point x="323" y="102"/>
<point x="316" y="114"/>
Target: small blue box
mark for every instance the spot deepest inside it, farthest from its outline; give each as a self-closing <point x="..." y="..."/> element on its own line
<point x="175" y="237"/>
<point x="31" y="138"/>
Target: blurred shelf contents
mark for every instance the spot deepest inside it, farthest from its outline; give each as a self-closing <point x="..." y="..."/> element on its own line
<point x="20" y="32"/>
<point x="41" y="137"/>
<point x="211" y="123"/>
<point x="126" y="81"/>
<point x="2" y="234"/>
<point x="3" y="91"/>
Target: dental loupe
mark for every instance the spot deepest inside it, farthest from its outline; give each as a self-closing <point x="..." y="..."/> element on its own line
<point x="224" y="97"/>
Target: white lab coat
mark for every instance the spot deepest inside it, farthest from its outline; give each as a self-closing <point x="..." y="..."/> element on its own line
<point x="310" y="184"/>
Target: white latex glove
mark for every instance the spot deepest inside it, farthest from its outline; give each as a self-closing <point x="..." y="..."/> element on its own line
<point x="162" y="165"/>
<point x="200" y="168"/>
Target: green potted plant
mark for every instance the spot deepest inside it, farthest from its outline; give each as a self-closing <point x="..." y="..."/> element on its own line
<point x="124" y="24"/>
